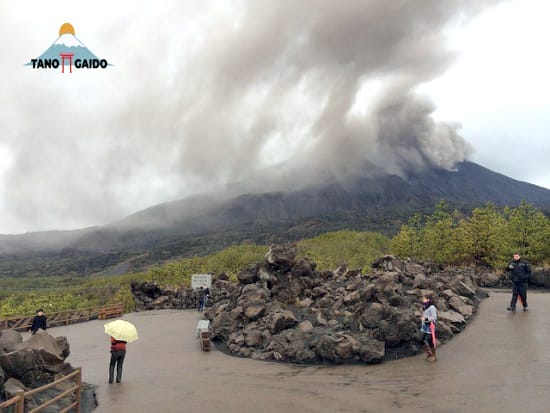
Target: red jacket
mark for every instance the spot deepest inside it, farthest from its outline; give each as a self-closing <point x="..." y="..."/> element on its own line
<point x="117" y="345"/>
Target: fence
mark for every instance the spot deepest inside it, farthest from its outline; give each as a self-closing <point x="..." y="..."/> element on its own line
<point x="66" y="317"/>
<point x="18" y="401"/>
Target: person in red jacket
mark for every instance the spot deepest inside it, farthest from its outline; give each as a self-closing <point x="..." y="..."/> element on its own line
<point x="118" y="352"/>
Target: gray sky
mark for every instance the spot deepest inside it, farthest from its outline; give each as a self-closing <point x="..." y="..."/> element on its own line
<point x="207" y="92"/>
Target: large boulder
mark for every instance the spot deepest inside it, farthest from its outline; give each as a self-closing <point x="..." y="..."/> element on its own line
<point x="385" y="262"/>
<point x="540" y="277"/>
<point x="282" y="320"/>
<point x="9" y="339"/>
<point x="149" y="289"/>
<point x="490" y="279"/>
<point x="290" y="345"/>
<point x="281" y="257"/>
<point x="57" y="349"/>
<point x="36" y="359"/>
<point x="373" y="315"/>
<point x="225" y="323"/>
<point x="325" y="347"/>
<point x="254" y="312"/>
<point x="452" y="317"/>
<point x="457" y="303"/>
<point x="252" y="294"/>
<point x="304" y="267"/>
<point x="23" y="365"/>
<point x="371" y="350"/>
<point x="464" y="290"/>
<point x="253" y="337"/>
<point x="248" y="275"/>
<point x="13" y="386"/>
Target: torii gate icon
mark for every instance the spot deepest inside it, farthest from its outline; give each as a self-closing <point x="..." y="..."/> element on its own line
<point x="69" y="57"/>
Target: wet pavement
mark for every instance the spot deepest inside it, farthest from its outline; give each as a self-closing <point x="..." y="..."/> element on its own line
<point x="500" y="363"/>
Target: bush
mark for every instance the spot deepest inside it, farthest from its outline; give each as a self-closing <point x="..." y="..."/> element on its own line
<point x="487" y="237"/>
<point x="356" y="249"/>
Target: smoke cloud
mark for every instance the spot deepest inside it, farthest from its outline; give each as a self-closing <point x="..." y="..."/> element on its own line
<point x="204" y="93"/>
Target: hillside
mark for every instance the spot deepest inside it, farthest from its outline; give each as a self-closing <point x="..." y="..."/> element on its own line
<point x="200" y="225"/>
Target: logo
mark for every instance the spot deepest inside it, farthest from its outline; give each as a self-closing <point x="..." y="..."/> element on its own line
<point x="68" y="52"/>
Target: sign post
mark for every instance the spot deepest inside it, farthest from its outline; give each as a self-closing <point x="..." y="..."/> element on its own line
<point x="199" y="280"/>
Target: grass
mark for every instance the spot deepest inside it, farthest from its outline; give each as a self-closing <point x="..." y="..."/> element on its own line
<point x="22" y="296"/>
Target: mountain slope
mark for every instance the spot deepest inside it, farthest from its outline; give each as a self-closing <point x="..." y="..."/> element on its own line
<point x="204" y="223"/>
<point x="471" y="185"/>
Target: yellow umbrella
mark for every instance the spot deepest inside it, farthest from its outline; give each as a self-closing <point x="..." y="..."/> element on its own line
<point x="121" y="330"/>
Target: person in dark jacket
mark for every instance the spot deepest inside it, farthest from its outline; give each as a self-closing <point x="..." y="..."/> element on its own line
<point x="38" y="322"/>
<point x="519" y="270"/>
<point x="200" y="307"/>
<point x="118" y="352"/>
<point x="205" y="295"/>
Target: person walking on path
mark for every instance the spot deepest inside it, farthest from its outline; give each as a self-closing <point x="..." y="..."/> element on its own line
<point x="38" y="322"/>
<point x="520" y="272"/>
<point x="429" y="318"/>
<point x="118" y="352"/>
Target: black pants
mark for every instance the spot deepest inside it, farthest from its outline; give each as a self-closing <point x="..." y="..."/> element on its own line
<point x="117" y="357"/>
<point x="519" y="288"/>
<point x="428" y="340"/>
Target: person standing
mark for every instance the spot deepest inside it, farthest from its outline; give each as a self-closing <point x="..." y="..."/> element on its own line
<point x="205" y="295"/>
<point x="520" y="273"/>
<point x="118" y="352"/>
<point x="429" y="317"/>
<point x="201" y="299"/>
<point x="38" y="322"/>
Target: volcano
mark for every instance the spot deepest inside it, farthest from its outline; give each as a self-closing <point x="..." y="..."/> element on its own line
<point x="200" y="224"/>
<point x="203" y="224"/>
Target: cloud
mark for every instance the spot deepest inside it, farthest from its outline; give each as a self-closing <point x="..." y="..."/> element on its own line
<point x="205" y="93"/>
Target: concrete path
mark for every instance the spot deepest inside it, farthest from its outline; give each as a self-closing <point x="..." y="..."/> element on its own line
<point x="500" y="363"/>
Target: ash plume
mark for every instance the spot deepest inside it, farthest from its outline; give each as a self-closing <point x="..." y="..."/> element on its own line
<point x="202" y="95"/>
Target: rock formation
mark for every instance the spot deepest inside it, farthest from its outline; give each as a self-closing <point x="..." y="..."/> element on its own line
<point x="284" y="309"/>
<point x="39" y="360"/>
<point x="540" y="277"/>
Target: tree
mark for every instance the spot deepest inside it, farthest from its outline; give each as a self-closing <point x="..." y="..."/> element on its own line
<point x="528" y="231"/>
<point x="482" y="236"/>
<point x="439" y="239"/>
<point x="408" y="241"/>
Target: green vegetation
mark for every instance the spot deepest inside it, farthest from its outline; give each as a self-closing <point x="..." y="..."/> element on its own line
<point x="26" y="305"/>
<point x="486" y="237"/>
<point x="356" y="249"/>
<point x="21" y="296"/>
<point x="228" y="260"/>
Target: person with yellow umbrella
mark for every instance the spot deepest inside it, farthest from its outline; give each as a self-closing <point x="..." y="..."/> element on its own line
<point x="121" y="332"/>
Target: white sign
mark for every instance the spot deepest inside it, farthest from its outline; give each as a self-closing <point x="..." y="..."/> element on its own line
<point x="198" y="280"/>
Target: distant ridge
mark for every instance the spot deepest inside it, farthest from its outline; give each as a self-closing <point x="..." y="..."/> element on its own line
<point x="204" y="223"/>
<point x="361" y="197"/>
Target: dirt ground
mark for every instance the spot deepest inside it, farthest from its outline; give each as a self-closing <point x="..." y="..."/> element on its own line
<point x="500" y="363"/>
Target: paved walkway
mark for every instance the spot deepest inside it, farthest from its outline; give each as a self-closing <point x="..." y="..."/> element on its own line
<point x="500" y="363"/>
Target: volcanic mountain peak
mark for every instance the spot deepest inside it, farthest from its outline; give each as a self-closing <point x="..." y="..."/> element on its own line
<point x="362" y="201"/>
